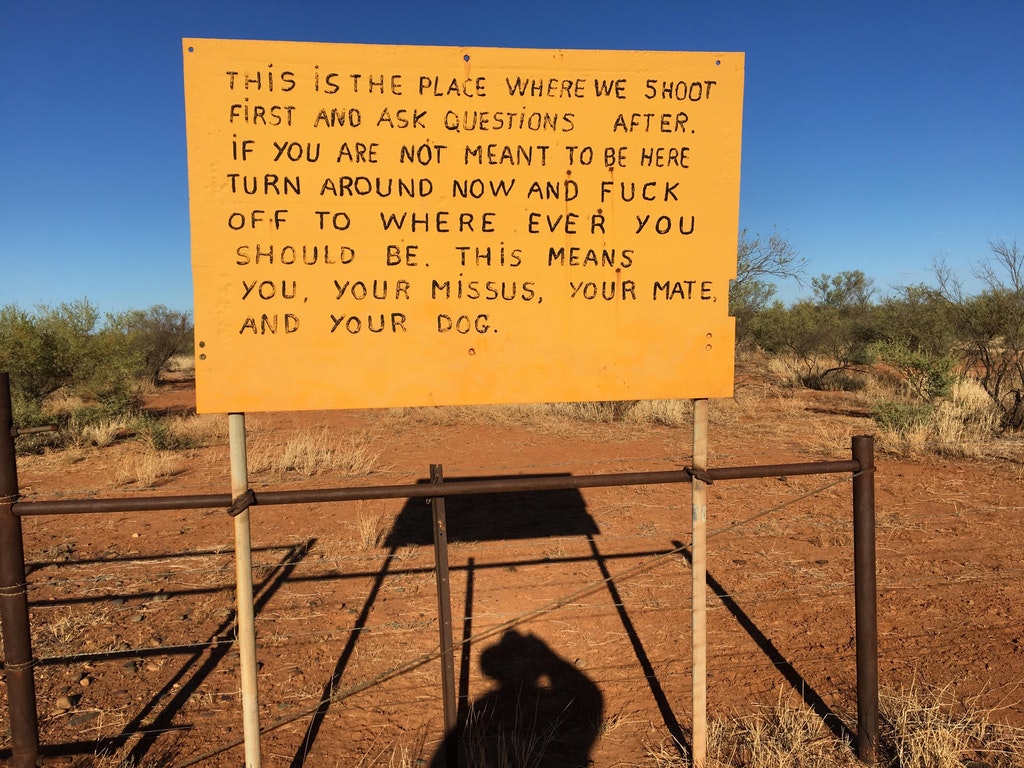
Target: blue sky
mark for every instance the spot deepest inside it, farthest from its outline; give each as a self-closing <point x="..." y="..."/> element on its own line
<point x="877" y="135"/>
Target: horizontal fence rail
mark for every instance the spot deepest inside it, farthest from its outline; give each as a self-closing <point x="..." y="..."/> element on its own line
<point x="425" y="491"/>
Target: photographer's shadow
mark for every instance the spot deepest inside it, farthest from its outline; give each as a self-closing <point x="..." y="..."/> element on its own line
<point x="544" y="711"/>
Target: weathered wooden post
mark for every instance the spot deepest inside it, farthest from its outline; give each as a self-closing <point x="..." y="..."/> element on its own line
<point x="244" y="601"/>
<point x="699" y="748"/>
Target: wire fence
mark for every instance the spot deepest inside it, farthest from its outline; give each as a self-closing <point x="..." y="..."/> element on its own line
<point x="138" y="638"/>
<point x="281" y="574"/>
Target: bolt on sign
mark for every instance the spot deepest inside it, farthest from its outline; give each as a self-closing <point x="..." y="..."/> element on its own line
<point x="377" y="226"/>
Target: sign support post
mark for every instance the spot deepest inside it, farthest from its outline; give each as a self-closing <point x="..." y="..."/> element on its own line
<point x="699" y="584"/>
<point x="244" y="598"/>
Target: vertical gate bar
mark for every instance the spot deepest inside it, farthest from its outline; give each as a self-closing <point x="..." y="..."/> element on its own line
<point x="243" y="594"/>
<point x="19" y="673"/>
<point x="444" y="615"/>
<point x="865" y="590"/>
<point x="699" y="584"/>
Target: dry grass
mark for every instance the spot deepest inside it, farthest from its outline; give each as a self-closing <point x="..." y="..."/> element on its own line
<point x="780" y="735"/>
<point x="919" y="728"/>
<point x="963" y="425"/>
<point x="524" y="742"/>
<point x="63" y="401"/>
<point x="668" y="413"/>
<point x="931" y="728"/>
<point x="104" y="432"/>
<point x="554" y="418"/>
<point x="64" y="628"/>
<point x="181" y="364"/>
<point x="198" y="429"/>
<point x="122" y="758"/>
<point x="146" y="465"/>
<point x="790" y="370"/>
<point x="316" y="452"/>
<point x="372" y="530"/>
<point x="967" y="419"/>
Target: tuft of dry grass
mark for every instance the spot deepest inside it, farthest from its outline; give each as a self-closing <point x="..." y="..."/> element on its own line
<point x="163" y="757"/>
<point x="530" y="415"/>
<point x="104" y="432"/>
<point x="63" y="401"/>
<point x="185" y="363"/>
<point x="146" y="466"/>
<point x="371" y="530"/>
<point x="667" y="413"/>
<point x="523" y="742"/>
<point x="555" y="418"/>
<point x="919" y="728"/>
<point x="784" y="734"/>
<point x="316" y="452"/>
<point x="65" y="628"/>
<point x="198" y="429"/>
<point x="929" y="727"/>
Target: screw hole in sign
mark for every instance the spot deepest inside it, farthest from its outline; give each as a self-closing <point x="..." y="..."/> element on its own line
<point x="466" y="57"/>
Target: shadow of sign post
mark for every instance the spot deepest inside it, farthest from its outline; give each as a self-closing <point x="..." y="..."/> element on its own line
<point x="497" y="516"/>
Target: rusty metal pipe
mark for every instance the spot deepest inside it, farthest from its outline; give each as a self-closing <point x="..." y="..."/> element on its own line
<point x="865" y="590"/>
<point x="783" y="470"/>
<point x="19" y="672"/>
<point x="424" y="491"/>
<point x="444" y="619"/>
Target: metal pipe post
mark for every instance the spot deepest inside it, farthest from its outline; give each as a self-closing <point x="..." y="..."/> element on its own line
<point x="17" y="637"/>
<point x="865" y="590"/>
<point x="444" y="616"/>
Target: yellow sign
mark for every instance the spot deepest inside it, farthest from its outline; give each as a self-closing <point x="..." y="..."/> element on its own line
<point x="378" y="226"/>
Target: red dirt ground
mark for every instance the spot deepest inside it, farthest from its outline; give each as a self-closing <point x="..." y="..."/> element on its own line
<point x="133" y="618"/>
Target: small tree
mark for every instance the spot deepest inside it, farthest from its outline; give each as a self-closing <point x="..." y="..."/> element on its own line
<point x="50" y="348"/>
<point x="151" y="336"/>
<point x="846" y="303"/>
<point x="918" y="317"/>
<point x="990" y="327"/>
<point x="917" y="340"/>
<point x="823" y="336"/>
<point x="758" y="259"/>
<point x="850" y="291"/>
<point x="799" y="334"/>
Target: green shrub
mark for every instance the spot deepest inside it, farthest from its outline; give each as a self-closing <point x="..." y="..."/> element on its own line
<point x="161" y="435"/>
<point x="29" y="413"/>
<point x="901" y="417"/>
<point x="926" y="375"/>
<point x="148" y="338"/>
<point x="51" y="348"/>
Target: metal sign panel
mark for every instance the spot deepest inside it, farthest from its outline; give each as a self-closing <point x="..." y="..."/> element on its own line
<point x="378" y="226"/>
